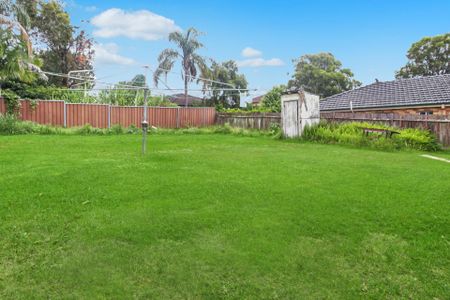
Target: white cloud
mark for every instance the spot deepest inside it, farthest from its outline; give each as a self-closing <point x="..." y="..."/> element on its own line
<point x="251" y="52"/>
<point x="260" y="62"/>
<point x="141" y="24"/>
<point x="108" y="54"/>
<point x="75" y="5"/>
<point x="91" y="8"/>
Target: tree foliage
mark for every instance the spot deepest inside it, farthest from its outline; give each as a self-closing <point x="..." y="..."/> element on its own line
<point x="322" y="74"/>
<point x="121" y="94"/>
<point x="272" y="100"/>
<point x="14" y="16"/>
<point x="191" y="62"/>
<point x="16" y="56"/>
<point x="13" y="57"/>
<point x="429" y="56"/>
<point x="225" y="78"/>
<point x="63" y="47"/>
<point x="37" y="90"/>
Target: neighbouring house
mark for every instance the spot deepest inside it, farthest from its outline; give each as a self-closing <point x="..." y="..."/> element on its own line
<point x="179" y="100"/>
<point x="257" y="101"/>
<point x="421" y="95"/>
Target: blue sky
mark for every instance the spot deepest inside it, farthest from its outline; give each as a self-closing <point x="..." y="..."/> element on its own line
<point x="370" y="37"/>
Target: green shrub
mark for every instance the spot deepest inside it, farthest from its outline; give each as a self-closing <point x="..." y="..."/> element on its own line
<point x="352" y="134"/>
<point x="7" y="124"/>
<point x="46" y="129"/>
<point x="12" y="101"/>
<point x="257" y="109"/>
<point x="275" y="130"/>
<point x="191" y="130"/>
<point x="329" y="133"/>
<point x="10" y="125"/>
<point x="116" y="129"/>
<point x="418" y="139"/>
<point x="226" y="128"/>
<point x="132" y="129"/>
<point x="88" y="130"/>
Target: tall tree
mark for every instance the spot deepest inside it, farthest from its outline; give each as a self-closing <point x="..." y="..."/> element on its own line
<point x="63" y="47"/>
<point x="429" y="56"/>
<point x="121" y="94"/>
<point x="191" y="62"/>
<point x="16" y="54"/>
<point x="13" y="58"/>
<point x="272" y="100"/>
<point x="322" y="74"/>
<point x="226" y="84"/>
<point x="14" y="15"/>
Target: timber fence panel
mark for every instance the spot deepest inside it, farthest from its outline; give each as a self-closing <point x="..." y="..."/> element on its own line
<point x="59" y="113"/>
<point x="43" y="112"/>
<point x="81" y="114"/>
<point x="260" y="121"/>
<point x="2" y="106"/>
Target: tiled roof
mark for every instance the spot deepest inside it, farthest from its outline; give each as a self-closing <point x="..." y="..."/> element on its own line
<point x="257" y="99"/>
<point x="402" y="92"/>
<point x="180" y="100"/>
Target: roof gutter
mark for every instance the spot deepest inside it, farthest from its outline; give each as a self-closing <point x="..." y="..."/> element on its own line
<point x="388" y="107"/>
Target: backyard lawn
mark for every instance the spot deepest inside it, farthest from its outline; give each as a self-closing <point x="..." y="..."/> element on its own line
<point x="219" y="216"/>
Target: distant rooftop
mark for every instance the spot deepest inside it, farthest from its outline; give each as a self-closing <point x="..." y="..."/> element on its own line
<point x="429" y="90"/>
<point x="180" y="101"/>
<point x="257" y="100"/>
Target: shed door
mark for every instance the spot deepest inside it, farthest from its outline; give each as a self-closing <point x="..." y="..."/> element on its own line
<point x="290" y="118"/>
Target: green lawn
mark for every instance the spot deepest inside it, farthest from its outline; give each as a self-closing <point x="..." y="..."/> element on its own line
<point x="217" y="216"/>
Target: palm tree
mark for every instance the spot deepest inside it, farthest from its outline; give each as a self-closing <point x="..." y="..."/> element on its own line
<point x="191" y="62"/>
<point x="14" y="16"/>
<point x="17" y="59"/>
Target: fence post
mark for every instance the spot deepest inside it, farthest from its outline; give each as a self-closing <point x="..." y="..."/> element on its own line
<point x="178" y="117"/>
<point x="65" y="115"/>
<point x="203" y="116"/>
<point x="109" y="116"/>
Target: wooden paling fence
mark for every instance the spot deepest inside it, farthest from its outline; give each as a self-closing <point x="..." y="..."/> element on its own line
<point x="439" y="125"/>
<point x="59" y="113"/>
<point x="260" y="121"/>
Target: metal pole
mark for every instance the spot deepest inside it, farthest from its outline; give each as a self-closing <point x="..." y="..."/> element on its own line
<point x="144" y="125"/>
<point x="109" y="116"/>
<point x="145" y="121"/>
<point x="65" y="114"/>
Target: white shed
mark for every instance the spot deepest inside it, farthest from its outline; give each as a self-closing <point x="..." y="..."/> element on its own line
<point x="298" y="110"/>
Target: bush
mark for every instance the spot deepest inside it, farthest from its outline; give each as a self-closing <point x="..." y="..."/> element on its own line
<point x="115" y="129"/>
<point x="275" y="130"/>
<point x="418" y="139"/>
<point x="257" y="109"/>
<point x="132" y="129"/>
<point x="352" y="134"/>
<point x="328" y="133"/>
<point x="10" y="125"/>
<point x="88" y="130"/>
<point x="12" y="101"/>
<point x="226" y="128"/>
